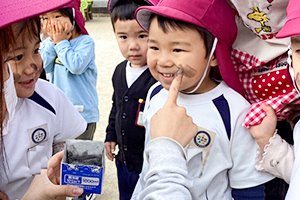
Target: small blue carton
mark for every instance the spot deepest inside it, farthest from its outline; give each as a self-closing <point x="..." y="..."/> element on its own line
<point x="81" y="165"/>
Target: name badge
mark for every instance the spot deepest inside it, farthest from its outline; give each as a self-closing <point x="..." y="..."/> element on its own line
<point x="38" y="135"/>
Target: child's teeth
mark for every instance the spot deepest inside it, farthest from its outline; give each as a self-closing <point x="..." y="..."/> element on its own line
<point x="168" y="75"/>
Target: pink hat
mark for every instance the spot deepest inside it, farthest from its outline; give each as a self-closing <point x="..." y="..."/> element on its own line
<point x="16" y="10"/>
<point x="80" y="21"/>
<point x="214" y="15"/>
<point x="111" y="4"/>
<point x="291" y="26"/>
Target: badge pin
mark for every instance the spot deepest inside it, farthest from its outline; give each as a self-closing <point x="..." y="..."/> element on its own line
<point x="38" y="135"/>
<point x="202" y="139"/>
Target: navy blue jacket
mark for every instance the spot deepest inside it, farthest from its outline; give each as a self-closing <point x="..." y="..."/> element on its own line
<point x="121" y="127"/>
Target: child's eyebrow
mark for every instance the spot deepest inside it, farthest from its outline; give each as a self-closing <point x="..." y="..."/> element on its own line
<point x="142" y="31"/>
<point x="121" y="33"/>
<point x="181" y="43"/>
<point x="151" y="41"/>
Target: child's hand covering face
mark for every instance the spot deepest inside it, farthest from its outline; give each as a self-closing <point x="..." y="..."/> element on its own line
<point x="57" y="26"/>
<point x="57" y="31"/>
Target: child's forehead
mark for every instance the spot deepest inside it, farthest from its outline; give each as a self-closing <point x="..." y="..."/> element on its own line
<point x="51" y="13"/>
<point x="128" y="26"/>
<point x="295" y="39"/>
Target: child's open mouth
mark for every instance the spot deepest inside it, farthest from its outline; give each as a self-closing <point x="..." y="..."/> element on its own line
<point x="27" y="83"/>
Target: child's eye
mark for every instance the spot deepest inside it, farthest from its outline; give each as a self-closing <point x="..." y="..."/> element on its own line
<point x="57" y="16"/>
<point x="153" y="48"/>
<point x="36" y="51"/>
<point x="17" y="58"/>
<point x="123" y="37"/>
<point x="143" y="36"/>
<point x="44" y="18"/>
<point x="177" y="50"/>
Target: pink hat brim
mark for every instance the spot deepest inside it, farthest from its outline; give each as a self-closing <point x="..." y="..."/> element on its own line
<point x="290" y="28"/>
<point x="13" y="11"/>
<point x="227" y="70"/>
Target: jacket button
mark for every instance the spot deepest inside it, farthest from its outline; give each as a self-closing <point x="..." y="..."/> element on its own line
<point x="125" y="147"/>
<point x="126" y="98"/>
<point x="124" y="116"/>
<point x="123" y="132"/>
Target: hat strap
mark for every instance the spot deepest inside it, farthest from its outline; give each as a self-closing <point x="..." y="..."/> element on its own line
<point x="73" y="24"/>
<point x="213" y="48"/>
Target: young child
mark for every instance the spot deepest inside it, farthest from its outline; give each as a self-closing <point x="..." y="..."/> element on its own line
<point x="268" y="125"/>
<point x="41" y="112"/>
<point x="69" y="56"/>
<point x="131" y="82"/>
<point x="183" y="39"/>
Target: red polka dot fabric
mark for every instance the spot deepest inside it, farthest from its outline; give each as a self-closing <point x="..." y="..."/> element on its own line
<point x="264" y="83"/>
<point x="271" y="84"/>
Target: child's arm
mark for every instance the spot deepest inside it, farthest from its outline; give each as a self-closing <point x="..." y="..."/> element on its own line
<point x="76" y="58"/>
<point x="275" y="155"/>
<point x="171" y="129"/>
<point x="111" y="137"/>
<point x="48" y="55"/>
<point x="167" y="177"/>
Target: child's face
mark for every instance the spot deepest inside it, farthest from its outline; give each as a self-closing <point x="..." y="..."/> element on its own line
<point x="296" y="58"/>
<point x="178" y="49"/>
<point x="55" y="16"/>
<point x="26" y="64"/>
<point x="132" y="41"/>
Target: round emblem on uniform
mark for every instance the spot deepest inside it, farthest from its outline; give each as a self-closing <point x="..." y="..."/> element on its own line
<point x="202" y="139"/>
<point x="39" y="135"/>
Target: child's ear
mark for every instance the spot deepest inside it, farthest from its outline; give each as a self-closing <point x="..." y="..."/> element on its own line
<point x="213" y="61"/>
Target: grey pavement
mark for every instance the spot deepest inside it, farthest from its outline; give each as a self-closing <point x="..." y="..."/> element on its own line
<point x="107" y="58"/>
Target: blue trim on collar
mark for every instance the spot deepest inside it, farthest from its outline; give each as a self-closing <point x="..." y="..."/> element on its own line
<point x="41" y="101"/>
<point x="155" y="91"/>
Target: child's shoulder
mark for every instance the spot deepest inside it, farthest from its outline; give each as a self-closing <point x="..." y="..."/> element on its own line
<point x="49" y="91"/>
<point x="231" y="95"/>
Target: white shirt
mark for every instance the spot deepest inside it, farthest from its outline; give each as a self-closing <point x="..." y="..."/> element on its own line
<point x="28" y="138"/>
<point x="133" y="73"/>
<point x="217" y="164"/>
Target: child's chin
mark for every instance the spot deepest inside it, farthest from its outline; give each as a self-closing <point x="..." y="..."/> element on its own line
<point x="25" y="94"/>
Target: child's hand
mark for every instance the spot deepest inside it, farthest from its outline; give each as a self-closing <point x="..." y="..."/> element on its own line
<point x="171" y="120"/>
<point x="265" y="130"/>
<point x="110" y="147"/>
<point x="3" y="196"/>
<point x="60" y="32"/>
<point x="53" y="168"/>
<point x="47" y="27"/>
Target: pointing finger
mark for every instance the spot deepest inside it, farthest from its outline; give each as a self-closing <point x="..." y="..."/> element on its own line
<point x="174" y="89"/>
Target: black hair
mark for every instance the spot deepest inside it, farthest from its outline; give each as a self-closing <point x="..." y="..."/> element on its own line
<point x="167" y="24"/>
<point x="125" y="9"/>
<point x="67" y="12"/>
<point x="32" y="27"/>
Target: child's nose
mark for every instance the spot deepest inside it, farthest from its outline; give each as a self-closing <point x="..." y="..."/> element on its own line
<point x="31" y="66"/>
<point x="134" y="45"/>
<point x="164" y="61"/>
